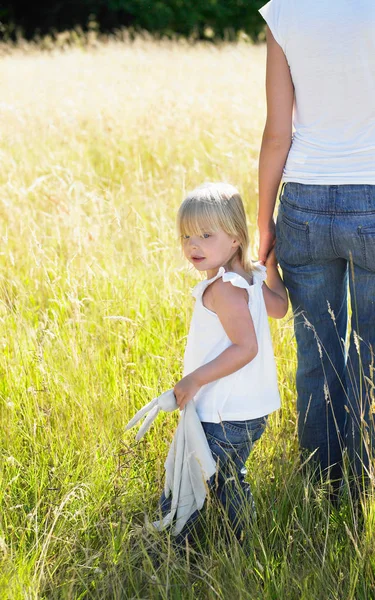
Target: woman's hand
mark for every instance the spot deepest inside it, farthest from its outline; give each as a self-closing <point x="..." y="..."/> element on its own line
<point x="186" y="389"/>
<point x="267" y="239"/>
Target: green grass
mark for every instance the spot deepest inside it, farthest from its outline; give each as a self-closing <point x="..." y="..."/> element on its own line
<point x="97" y="150"/>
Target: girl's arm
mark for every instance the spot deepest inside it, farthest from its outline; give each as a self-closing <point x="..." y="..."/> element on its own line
<point x="277" y="137"/>
<point x="274" y="292"/>
<point x="231" y="306"/>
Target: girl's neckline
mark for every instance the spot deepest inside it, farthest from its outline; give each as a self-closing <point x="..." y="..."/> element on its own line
<point x="221" y="272"/>
<point x="237" y="280"/>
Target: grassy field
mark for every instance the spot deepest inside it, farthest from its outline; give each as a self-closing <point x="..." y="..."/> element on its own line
<point x="97" y="149"/>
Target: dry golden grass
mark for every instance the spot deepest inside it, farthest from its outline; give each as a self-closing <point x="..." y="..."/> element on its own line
<point x="98" y="147"/>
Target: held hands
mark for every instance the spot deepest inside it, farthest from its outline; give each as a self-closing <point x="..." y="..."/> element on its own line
<point x="267" y="239"/>
<point x="185" y="390"/>
<point x="271" y="260"/>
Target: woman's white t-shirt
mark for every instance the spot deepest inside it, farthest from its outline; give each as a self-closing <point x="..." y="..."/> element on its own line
<point x="330" y="49"/>
<point x="250" y="392"/>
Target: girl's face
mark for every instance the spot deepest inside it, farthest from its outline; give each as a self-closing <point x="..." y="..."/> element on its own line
<point x="209" y="251"/>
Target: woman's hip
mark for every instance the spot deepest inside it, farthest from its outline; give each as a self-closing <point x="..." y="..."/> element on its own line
<point x="319" y="224"/>
<point x="329" y="199"/>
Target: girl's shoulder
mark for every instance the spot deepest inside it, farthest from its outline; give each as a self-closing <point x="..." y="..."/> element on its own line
<point x="257" y="277"/>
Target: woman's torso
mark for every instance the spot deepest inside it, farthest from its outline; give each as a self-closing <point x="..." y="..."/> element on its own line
<point x="330" y="48"/>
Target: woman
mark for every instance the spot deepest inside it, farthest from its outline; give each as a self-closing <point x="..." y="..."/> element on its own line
<point x="321" y="78"/>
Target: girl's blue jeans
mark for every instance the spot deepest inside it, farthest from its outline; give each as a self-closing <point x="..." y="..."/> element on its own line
<point x="230" y="443"/>
<point x="325" y="244"/>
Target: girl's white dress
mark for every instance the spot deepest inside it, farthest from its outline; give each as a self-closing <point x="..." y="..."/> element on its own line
<point x="250" y="392"/>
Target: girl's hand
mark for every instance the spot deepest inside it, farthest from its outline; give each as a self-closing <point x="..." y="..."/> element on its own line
<point x="185" y="390"/>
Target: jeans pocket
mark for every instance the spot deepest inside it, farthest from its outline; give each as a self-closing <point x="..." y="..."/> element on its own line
<point x="226" y="436"/>
<point x="367" y="236"/>
<point x="252" y="426"/>
<point x="234" y="434"/>
<point x="292" y="238"/>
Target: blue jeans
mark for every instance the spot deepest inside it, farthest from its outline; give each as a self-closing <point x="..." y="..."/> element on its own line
<point x="325" y="244"/>
<point x="230" y="443"/>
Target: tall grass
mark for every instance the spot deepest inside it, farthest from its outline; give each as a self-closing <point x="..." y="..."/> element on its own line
<point x="97" y="150"/>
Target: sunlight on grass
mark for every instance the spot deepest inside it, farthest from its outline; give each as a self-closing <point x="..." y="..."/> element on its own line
<point x="97" y="150"/>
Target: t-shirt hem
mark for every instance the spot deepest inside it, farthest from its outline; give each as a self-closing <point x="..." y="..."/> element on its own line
<point x="322" y="180"/>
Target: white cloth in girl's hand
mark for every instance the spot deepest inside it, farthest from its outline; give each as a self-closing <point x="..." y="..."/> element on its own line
<point x="165" y="402"/>
<point x="189" y="464"/>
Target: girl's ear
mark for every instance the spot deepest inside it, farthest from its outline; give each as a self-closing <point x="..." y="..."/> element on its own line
<point x="235" y="243"/>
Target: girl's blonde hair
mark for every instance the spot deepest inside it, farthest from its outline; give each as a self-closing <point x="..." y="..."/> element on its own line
<point x="212" y="207"/>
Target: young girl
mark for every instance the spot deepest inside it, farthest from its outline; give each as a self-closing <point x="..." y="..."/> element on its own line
<point x="229" y="367"/>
